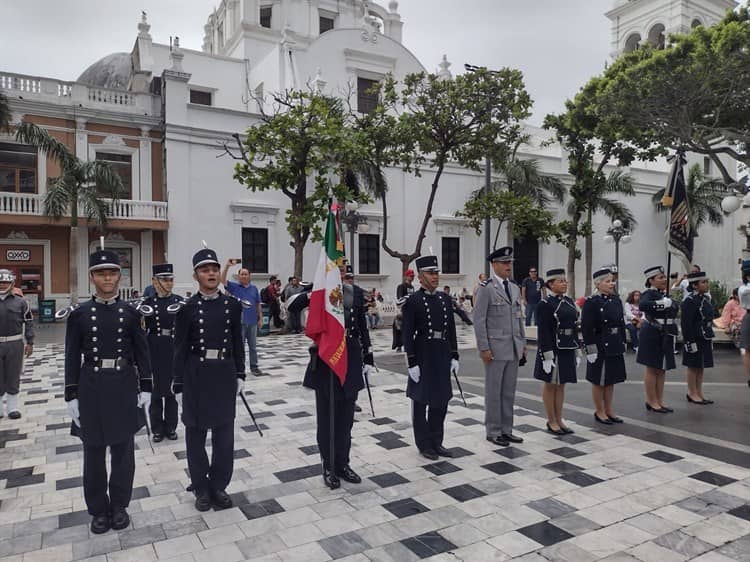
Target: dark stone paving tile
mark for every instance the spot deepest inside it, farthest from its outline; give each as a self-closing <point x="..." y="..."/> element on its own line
<point x="663" y="456"/>
<point x="562" y="467"/>
<point x="717" y="497"/>
<point x="468" y="422"/>
<point x="382" y="421"/>
<point x="25" y="481"/>
<point x="683" y="544"/>
<point x="32" y="402"/>
<point x="261" y="509"/>
<point x="182" y="455"/>
<point x="346" y="544"/>
<point x="580" y="479"/>
<point x="141" y="492"/>
<point x="66" y="520"/>
<point x="510" y="452"/>
<point x="464" y="492"/>
<point x="300" y="473"/>
<point x="526" y="428"/>
<point x="12" y="473"/>
<point x="545" y="533"/>
<point x="501" y="467"/>
<point x="394" y="390"/>
<point x="297" y="415"/>
<point x="386" y="436"/>
<point x="310" y="449"/>
<point x="571" y="439"/>
<point x="713" y="478"/>
<point x="737" y="550"/>
<point x="441" y="467"/>
<point x="393" y="444"/>
<point x="551" y="507"/>
<point x="241" y="454"/>
<point x="459" y="452"/>
<point x="700" y="507"/>
<point x="67" y="483"/>
<point x="253" y="429"/>
<point x="428" y="544"/>
<point x="276" y="402"/>
<point x="567" y="452"/>
<point x="743" y="512"/>
<point x="261" y="415"/>
<point x="69" y="448"/>
<point x="388" y="479"/>
<point x="405" y="508"/>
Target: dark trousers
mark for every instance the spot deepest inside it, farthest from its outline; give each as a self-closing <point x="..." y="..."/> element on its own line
<point x="531" y="313"/>
<point x="218" y="474"/>
<point x="295" y="320"/>
<point x="343" y="420"/>
<point x="633" y="334"/>
<point x="428" y="425"/>
<point x="163" y="414"/>
<point x="275" y="313"/>
<point x="122" y="459"/>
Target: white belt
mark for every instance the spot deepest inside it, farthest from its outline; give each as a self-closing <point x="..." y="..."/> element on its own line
<point x="211" y="354"/>
<point x="166" y="332"/>
<point x="663" y="321"/>
<point x="109" y="363"/>
<point x="17" y="337"/>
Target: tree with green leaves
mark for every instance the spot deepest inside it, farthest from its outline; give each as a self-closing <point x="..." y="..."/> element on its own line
<point x="703" y="197"/>
<point x="82" y="190"/>
<point x="693" y="94"/>
<point x="302" y="149"/>
<point x="441" y="121"/>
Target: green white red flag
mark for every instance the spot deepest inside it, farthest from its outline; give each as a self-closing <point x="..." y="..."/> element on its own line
<point x="325" y="318"/>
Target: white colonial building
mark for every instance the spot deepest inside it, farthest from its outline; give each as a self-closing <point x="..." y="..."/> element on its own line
<point x="162" y="112"/>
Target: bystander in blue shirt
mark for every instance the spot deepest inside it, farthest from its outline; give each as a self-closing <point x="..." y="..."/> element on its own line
<point x="249" y="293"/>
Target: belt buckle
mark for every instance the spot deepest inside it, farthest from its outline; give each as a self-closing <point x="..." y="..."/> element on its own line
<point x="212" y="354"/>
<point x="166" y="331"/>
<point x="437" y="334"/>
<point x="109" y="363"/>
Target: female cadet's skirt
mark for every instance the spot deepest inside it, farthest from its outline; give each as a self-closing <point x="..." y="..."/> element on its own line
<point x="655" y="348"/>
<point x="745" y="332"/>
<point x="702" y="359"/>
<point x="606" y="370"/>
<point x="564" y="370"/>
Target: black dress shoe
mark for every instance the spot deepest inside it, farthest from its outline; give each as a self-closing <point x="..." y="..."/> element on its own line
<point x="120" y="519"/>
<point x="650" y="408"/>
<point x="498" y="440"/>
<point x="667" y="410"/>
<point x="158" y="438"/>
<point x="221" y="499"/>
<point x="600" y="420"/>
<point x="443" y="452"/>
<point x="555" y="431"/>
<point x="429" y="454"/>
<point x="202" y="500"/>
<point x="615" y="419"/>
<point x="349" y="475"/>
<point x="331" y="480"/>
<point x="566" y="430"/>
<point x="172" y="436"/>
<point x="357" y="408"/>
<point x="707" y="401"/>
<point x="100" y="524"/>
<point x="512" y="438"/>
<point x="15" y="415"/>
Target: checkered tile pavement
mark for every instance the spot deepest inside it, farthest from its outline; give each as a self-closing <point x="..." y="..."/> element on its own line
<point x="583" y="497"/>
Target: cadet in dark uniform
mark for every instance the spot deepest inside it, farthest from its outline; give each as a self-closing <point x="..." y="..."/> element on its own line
<point x="657" y="337"/>
<point x="743" y="291"/>
<point x="429" y="337"/>
<point x="697" y="320"/>
<point x="603" y="325"/>
<point x="209" y="368"/>
<point x="105" y="391"/>
<point x="160" y="330"/>
<point x="557" y="356"/>
<point x="319" y="376"/>
<point x="16" y="325"/>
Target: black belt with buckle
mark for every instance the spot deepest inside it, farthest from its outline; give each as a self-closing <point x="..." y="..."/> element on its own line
<point x="566" y="332"/>
<point x="613" y="330"/>
<point x="436" y="335"/>
<point x="167" y="332"/>
<point x="115" y="363"/>
<point x="218" y="354"/>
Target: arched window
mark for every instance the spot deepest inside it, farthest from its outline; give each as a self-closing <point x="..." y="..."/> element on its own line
<point x="656" y="37"/>
<point x="632" y="42"/>
<point x="696" y="23"/>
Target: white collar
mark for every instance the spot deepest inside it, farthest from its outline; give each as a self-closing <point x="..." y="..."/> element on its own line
<point x="99" y="300"/>
<point x="500" y="279"/>
<point x="212" y="296"/>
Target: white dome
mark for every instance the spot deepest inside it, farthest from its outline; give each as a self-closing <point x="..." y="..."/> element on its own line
<point x="112" y="71"/>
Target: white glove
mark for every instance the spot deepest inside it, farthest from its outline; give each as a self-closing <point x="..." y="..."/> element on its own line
<point x="667" y="302"/>
<point x="578" y="360"/>
<point x="414" y="373"/>
<point x="73" y="411"/>
<point x="592" y="357"/>
<point x="178" y="399"/>
<point x="691" y="347"/>
<point x="367" y="370"/>
<point x="240" y="386"/>
<point x="144" y="400"/>
<point x="454" y="366"/>
<point x="548" y="365"/>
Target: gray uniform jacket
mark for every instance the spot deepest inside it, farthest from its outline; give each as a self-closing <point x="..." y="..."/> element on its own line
<point x="15" y="318"/>
<point x="498" y="322"/>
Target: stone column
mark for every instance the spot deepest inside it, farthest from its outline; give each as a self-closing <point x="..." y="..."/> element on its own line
<point x="144" y="156"/>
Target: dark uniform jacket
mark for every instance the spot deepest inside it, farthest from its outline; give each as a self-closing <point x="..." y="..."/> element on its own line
<point x="106" y="365"/>
<point x="696" y="319"/>
<point x="160" y="335"/>
<point x="209" y="357"/>
<point x="16" y="318"/>
<point x="657" y="315"/>
<point x="404" y="290"/>
<point x="358" y="352"/>
<point x="429" y="337"/>
<point x="603" y="325"/>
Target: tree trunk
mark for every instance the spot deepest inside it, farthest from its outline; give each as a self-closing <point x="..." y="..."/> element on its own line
<point x="589" y="251"/>
<point x="73" y="264"/>
<point x="572" y="247"/>
<point x="299" y="254"/>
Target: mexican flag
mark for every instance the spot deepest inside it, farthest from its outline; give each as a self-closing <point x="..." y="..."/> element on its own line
<point x="325" y="318"/>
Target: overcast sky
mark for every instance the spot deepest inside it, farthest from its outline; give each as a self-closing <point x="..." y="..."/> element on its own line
<point x="558" y="44"/>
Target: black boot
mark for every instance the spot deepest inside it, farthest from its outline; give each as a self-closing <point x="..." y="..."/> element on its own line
<point x="120" y="519"/>
<point x="349" y="475"/>
<point x="330" y="479"/>
<point x="202" y="500"/>
<point x="221" y="499"/>
<point x="100" y="524"/>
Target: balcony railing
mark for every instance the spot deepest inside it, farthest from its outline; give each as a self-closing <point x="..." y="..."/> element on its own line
<point x="31" y="204"/>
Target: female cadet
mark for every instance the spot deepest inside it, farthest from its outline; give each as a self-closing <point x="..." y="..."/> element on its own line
<point x="696" y="322"/>
<point x="657" y="337"/>
<point x="744" y="293"/>
<point x="603" y="327"/>
<point x="556" y="360"/>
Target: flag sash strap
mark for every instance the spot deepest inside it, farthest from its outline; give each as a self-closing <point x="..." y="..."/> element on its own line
<point x="325" y="320"/>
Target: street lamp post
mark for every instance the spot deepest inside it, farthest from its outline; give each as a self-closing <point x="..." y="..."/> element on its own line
<point x="355" y="222"/>
<point x="487" y="182"/>
<point x="617" y="233"/>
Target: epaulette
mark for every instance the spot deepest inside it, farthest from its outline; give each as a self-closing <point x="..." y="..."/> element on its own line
<point x="140" y="306"/>
<point x="63" y="313"/>
<point x="484" y="283"/>
<point x="175" y="307"/>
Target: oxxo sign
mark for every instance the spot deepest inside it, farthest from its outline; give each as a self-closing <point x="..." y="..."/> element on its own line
<point x="17" y="255"/>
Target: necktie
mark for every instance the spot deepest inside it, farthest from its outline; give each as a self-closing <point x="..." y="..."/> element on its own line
<point x="507" y="290"/>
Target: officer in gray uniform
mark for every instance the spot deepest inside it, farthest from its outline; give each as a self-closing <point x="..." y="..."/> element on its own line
<point x="501" y="340"/>
<point x="16" y="325"/>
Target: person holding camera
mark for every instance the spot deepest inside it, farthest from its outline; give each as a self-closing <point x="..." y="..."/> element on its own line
<point x="252" y="309"/>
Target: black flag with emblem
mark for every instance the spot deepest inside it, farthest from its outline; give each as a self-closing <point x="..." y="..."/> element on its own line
<point x="679" y="233"/>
